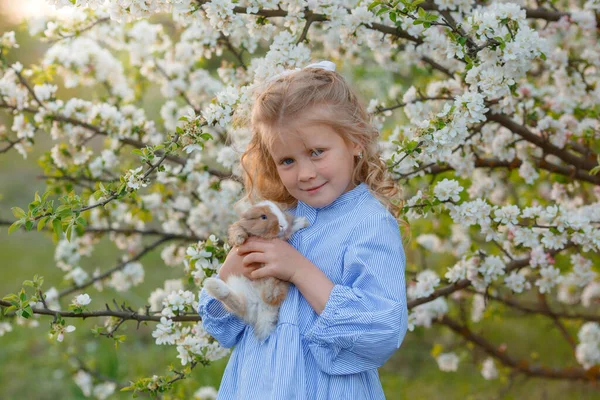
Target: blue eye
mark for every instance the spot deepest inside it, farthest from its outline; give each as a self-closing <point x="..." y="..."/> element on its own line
<point x="317" y="152"/>
<point x="285" y="161"/>
<point x="263" y="216"/>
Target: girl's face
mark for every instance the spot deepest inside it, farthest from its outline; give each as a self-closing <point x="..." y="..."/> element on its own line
<point x="314" y="163"/>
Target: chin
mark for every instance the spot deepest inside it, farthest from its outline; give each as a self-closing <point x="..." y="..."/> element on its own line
<point x="318" y="203"/>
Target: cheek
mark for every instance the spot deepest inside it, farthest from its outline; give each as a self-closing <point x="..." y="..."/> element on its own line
<point x="286" y="176"/>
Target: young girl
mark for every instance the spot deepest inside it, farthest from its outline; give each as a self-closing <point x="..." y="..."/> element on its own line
<point x="345" y="313"/>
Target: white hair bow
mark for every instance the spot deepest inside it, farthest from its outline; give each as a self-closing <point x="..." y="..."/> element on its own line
<point x="328" y="65"/>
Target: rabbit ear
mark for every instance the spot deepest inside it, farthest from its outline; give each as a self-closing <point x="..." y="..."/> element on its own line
<point x="242" y="206"/>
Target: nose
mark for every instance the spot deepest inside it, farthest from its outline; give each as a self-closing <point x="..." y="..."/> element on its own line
<point x="307" y="171"/>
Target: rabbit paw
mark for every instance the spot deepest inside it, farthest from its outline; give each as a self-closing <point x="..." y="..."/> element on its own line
<point x="299" y="223"/>
<point x="238" y="239"/>
<point x="216" y="288"/>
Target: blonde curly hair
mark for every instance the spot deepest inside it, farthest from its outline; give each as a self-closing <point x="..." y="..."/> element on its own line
<point x="287" y="99"/>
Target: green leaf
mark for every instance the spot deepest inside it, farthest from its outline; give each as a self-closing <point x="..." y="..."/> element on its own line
<point x="81" y="221"/>
<point x="69" y="232"/>
<point x="373" y="5"/>
<point x="382" y="10"/>
<point x="11" y="297"/>
<point x="15" y="226"/>
<point x="42" y="223"/>
<point x="18" y="212"/>
<point x="27" y="312"/>
<point x="29" y="225"/>
<point x="22" y="295"/>
<point x="64" y="213"/>
<point x="57" y="225"/>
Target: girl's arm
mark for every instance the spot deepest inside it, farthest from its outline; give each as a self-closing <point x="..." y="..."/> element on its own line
<point x="280" y="260"/>
<point x="314" y="285"/>
<point x="362" y="320"/>
<point x="365" y="317"/>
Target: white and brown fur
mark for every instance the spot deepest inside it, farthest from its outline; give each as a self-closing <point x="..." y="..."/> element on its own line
<point x="256" y="301"/>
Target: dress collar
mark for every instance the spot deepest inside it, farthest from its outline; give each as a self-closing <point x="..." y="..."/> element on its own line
<point x="310" y="212"/>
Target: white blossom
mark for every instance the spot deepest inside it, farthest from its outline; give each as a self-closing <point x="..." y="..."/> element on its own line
<point x="447" y="362"/>
<point x="588" y="350"/>
<point x="135" y="178"/>
<point x="4" y="328"/>
<point x="82" y="300"/>
<point x="103" y="390"/>
<point x="84" y="381"/>
<point x="205" y="393"/>
<point x="488" y="369"/>
<point x="448" y="189"/>
<point x="549" y="277"/>
<point x="517" y="282"/>
<point x="426" y="283"/>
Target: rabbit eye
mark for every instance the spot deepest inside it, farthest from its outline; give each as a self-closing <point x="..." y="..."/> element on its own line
<point x="263" y="216"/>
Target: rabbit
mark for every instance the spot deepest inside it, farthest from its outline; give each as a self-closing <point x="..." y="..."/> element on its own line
<point x="256" y="301"/>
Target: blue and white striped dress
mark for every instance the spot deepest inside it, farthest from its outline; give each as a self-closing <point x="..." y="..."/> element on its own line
<point x="356" y="242"/>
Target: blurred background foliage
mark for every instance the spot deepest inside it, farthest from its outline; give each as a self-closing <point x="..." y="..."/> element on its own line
<point x="35" y="367"/>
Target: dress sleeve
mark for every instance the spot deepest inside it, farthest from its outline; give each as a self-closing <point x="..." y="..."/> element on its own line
<point x="221" y="324"/>
<point x="365" y="318"/>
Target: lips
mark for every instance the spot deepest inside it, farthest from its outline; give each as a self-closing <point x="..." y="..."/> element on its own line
<point x="315" y="188"/>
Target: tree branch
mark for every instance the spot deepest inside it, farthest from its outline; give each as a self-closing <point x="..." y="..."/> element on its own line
<point x="464" y="283"/>
<point x="114" y="269"/>
<point x="492" y="163"/>
<point x="530" y="309"/>
<point x="126" y="315"/>
<point x="132" y="142"/>
<point x="548" y="147"/>
<point x="523" y="366"/>
<point x="78" y="32"/>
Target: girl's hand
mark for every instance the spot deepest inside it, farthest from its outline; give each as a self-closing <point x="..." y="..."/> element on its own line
<point x="281" y="260"/>
<point x="234" y="265"/>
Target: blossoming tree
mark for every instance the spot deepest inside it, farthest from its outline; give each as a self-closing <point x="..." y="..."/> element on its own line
<point x="496" y="146"/>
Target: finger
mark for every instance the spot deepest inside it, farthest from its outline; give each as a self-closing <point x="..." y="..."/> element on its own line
<point x="254" y="258"/>
<point x="253" y="246"/>
<point x="256" y="239"/>
<point x="259" y="273"/>
<point x="247" y="271"/>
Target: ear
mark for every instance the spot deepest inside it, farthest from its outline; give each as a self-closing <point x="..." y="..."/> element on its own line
<point x="356" y="148"/>
<point x="242" y="206"/>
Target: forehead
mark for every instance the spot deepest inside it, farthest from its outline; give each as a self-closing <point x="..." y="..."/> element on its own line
<point x="307" y="137"/>
<point x="308" y="130"/>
